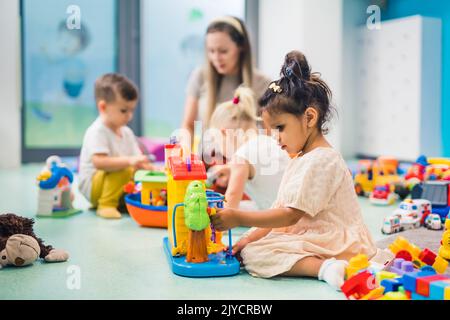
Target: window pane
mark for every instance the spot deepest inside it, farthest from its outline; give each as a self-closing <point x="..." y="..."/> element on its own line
<point x="173" y="40"/>
<point x="61" y="65"/>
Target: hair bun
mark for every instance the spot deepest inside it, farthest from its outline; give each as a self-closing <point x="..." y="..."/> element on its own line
<point x="295" y="64"/>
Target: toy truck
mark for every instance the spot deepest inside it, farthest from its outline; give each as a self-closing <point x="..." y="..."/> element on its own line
<point x="370" y="174"/>
<point x="438" y="193"/>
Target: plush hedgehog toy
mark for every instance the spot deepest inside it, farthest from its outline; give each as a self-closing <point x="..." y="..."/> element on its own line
<point x="19" y="246"/>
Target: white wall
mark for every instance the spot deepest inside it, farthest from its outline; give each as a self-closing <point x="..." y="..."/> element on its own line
<point x="10" y="84"/>
<point x="323" y="31"/>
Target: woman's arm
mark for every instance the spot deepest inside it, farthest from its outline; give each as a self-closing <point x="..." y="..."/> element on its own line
<point x="190" y="114"/>
<point x="272" y="218"/>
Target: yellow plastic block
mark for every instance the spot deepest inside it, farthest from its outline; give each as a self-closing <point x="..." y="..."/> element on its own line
<point x="447" y="224"/>
<point x="403" y="244"/>
<point x="356" y="264"/>
<point x="380" y="276"/>
<point x="444" y="250"/>
<point x="394" y="295"/>
<point x="447" y="293"/>
<point x="440" y="264"/>
<point x="374" y="294"/>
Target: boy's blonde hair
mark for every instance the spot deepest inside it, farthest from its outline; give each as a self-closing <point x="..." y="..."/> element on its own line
<point x="236" y="112"/>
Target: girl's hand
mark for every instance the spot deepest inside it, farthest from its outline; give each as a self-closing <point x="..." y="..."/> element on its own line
<point x="225" y="219"/>
<point x="238" y="246"/>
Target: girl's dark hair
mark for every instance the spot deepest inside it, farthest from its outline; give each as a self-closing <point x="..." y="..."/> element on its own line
<point x="299" y="88"/>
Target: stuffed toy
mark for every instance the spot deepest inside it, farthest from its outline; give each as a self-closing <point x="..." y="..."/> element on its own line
<point x="19" y="246"/>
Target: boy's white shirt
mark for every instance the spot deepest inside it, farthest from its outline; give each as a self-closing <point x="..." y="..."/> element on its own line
<point x="269" y="162"/>
<point x="101" y="139"/>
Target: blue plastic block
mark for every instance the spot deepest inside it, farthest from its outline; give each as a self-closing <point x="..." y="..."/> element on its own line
<point x="427" y="269"/>
<point x="416" y="296"/>
<point x="409" y="281"/>
<point x="390" y="284"/>
<point x="437" y="289"/>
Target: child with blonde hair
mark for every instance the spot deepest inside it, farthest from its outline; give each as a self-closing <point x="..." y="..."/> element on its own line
<point x="315" y="225"/>
<point x="257" y="164"/>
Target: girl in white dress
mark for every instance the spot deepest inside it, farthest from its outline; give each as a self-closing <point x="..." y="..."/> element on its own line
<point x="315" y="225"/>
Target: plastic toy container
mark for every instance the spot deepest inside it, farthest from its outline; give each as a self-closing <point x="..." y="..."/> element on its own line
<point x="146" y="215"/>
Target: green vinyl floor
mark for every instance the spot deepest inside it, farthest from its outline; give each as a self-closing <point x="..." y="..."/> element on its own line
<point x="117" y="259"/>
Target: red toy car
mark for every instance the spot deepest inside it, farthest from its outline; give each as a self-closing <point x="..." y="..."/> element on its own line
<point x="382" y="195"/>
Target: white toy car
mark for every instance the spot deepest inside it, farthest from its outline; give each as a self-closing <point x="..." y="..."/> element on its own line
<point x="433" y="221"/>
<point x="409" y="214"/>
<point x="391" y="224"/>
<point x="410" y="221"/>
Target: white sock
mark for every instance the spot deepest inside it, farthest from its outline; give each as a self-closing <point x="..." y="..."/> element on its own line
<point x="332" y="272"/>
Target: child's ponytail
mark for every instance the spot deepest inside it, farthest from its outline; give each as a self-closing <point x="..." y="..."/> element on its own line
<point x="237" y="111"/>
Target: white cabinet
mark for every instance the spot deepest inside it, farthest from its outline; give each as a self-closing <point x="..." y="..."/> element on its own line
<point x="398" y="100"/>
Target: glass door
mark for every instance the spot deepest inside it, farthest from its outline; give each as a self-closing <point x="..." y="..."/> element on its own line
<point x="66" y="45"/>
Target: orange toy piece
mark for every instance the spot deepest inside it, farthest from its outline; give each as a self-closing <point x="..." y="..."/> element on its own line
<point x="129" y="187"/>
<point x="197" y="250"/>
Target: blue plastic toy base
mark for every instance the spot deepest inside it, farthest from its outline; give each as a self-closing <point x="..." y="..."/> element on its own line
<point x="219" y="265"/>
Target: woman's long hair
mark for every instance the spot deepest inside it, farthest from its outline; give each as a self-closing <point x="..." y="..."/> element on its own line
<point x="213" y="78"/>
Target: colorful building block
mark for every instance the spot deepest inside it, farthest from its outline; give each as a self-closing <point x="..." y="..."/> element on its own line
<point x="440" y="264"/>
<point x="356" y="264"/>
<point x="409" y="279"/>
<point x="402" y="244"/>
<point x="437" y="289"/>
<point x="427" y="256"/>
<point x="408" y="294"/>
<point x="416" y="296"/>
<point x="394" y="296"/>
<point x="391" y="284"/>
<point x="374" y="294"/>
<point x="359" y="285"/>
<point x="405" y="255"/>
<point x="423" y="283"/>
<point x="382" y="275"/>
<point x="401" y="266"/>
<point x="444" y="250"/>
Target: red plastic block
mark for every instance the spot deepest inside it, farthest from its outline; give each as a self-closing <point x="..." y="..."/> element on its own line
<point x="423" y="284"/>
<point x="359" y="285"/>
<point x="403" y="254"/>
<point x="408" y="294"/>
<point x="427" y="256"/>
